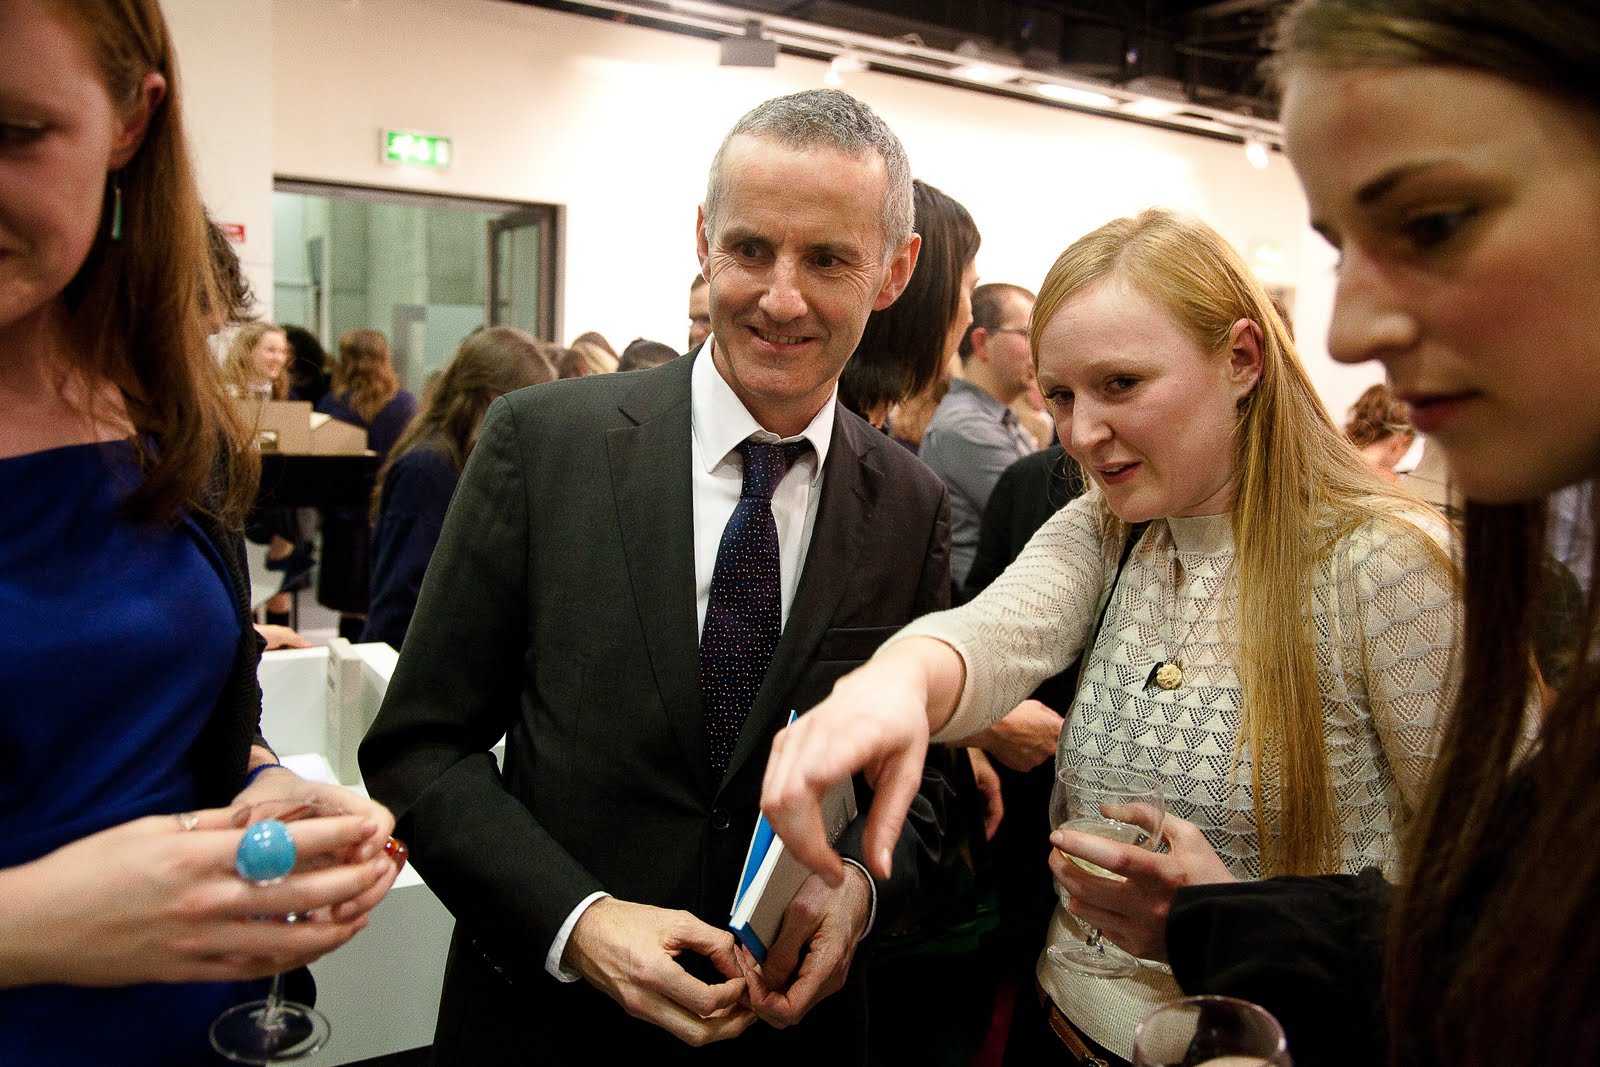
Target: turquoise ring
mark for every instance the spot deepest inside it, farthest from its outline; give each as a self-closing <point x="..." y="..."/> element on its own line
<point x="266" y="854"/>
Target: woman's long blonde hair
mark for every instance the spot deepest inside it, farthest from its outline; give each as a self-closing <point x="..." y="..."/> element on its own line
<point x="364" y="375"/>
<point x="1299" y="488"/>
<point x="240" y="369"/>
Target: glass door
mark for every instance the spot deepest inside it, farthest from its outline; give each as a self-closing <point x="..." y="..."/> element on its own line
<point x="425" y="270"/>
<point x="522" y="285"/>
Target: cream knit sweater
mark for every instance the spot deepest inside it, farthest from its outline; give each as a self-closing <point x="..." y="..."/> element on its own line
<point x="1385" y="621"/>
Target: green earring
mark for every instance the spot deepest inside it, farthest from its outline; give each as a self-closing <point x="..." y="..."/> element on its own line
<point x="116" y="209"/>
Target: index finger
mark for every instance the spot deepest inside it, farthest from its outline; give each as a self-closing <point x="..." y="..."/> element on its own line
<point x="893" y="792"/>
<point x="705" y="1000"/>
<point x="1120" y="862"/>
<point x="675" y="983"/>
<point x="791" y="799"/>
<point x="785" y="1007"/>
<point x="329" y="834"/>
<point x="687" y="1024"/>
<point x="212" y="834"/>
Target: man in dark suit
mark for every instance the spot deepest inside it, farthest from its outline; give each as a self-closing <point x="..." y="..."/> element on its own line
<point x="590" y="598"/>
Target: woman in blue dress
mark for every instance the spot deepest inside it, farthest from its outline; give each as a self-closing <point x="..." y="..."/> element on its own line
<point x="364" y="393"/>
<point x="129" y="710"/>
<point x="416" y="483"/>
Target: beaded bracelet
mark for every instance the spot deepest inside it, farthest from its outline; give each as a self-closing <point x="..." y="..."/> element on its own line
<point x="255" y="772"/>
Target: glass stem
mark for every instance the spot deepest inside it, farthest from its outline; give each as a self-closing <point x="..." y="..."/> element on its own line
<point x="1093" y="941"/>
<point x="272" y="1012"/>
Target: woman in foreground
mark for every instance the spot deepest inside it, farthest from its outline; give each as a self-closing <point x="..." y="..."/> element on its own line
<point x="1451" y="152"/>
<point x="1276" y="659"/>
<point x="129" y="710"/>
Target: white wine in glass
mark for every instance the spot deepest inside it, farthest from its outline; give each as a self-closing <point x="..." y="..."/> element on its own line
<point x="1210" y="1032"/>
<point x="1110" y="829"/>
<point x="1120" y="805"/>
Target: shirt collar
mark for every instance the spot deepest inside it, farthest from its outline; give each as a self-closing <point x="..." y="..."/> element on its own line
<point x="1206" y="535"/>
<point x="720" y="422"/>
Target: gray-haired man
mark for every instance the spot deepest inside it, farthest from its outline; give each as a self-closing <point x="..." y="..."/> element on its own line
<point x="639" y="577"/>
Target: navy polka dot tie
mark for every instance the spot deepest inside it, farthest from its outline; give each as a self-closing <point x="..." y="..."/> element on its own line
<point x="744" y="616"/>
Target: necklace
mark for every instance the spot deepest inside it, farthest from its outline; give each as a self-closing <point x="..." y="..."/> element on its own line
<point x="1167" y="673"/>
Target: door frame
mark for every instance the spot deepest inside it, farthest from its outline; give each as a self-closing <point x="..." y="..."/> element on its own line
<point x="513" y="214"/>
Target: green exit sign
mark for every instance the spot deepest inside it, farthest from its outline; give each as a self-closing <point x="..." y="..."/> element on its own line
<point x="417" y="149"/>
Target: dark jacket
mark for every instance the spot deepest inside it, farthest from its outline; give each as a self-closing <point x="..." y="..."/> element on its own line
<point x="559" y="610"/>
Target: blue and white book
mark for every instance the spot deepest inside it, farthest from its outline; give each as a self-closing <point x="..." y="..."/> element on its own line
<point x="771" y="876"/>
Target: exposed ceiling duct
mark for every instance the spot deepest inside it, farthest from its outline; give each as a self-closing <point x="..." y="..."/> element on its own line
<point x="1175" y="63"/>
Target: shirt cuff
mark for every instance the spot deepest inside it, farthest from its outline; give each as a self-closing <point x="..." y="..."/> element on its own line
<point x="872" y="905"/>
<point x="552" y="959"/>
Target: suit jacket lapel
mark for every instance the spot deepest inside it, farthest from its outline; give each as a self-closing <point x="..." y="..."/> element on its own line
<point x="650" y="480"/>
<point x="843" y="517"/>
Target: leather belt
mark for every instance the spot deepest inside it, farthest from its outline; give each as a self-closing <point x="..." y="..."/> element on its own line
<point x="1077" y="1044"/>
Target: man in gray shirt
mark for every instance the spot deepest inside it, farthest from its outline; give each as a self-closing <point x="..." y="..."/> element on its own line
<point x="974" y="436"/>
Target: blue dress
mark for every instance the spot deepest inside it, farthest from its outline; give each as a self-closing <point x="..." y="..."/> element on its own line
<point x="386" y="426"/>
<point x="416" y="496"/>
<point x="342" y="583"/>
<point x="117" y="641"/>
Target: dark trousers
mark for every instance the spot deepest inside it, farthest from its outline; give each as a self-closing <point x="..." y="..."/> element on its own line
<point x="1036" y="1038"/>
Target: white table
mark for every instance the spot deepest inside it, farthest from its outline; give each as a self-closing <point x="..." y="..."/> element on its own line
<point x="380" y="992"/>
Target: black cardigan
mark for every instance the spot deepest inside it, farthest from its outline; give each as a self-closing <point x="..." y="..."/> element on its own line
<point x="1308" y="949"/>
<point x="221" y="752"/>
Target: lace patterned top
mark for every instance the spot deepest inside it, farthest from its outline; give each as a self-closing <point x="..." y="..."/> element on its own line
<point x="1385" y="620"/>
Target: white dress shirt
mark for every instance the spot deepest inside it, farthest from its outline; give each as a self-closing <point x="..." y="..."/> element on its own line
<point x="718" y="423"/>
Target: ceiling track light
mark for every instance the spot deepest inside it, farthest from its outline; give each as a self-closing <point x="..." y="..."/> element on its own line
<point x="1257" y="152"/>
<point x="842" y="64"/>
<point x="751" y="49"/>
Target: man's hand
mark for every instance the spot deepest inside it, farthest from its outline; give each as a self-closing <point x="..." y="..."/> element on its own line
<point x="987" y="780"/>
<point x="630" y="952"/>
<point x="1131" y="909"/>
<point x="1022" y="740"/>
<point x="818" y="936"/>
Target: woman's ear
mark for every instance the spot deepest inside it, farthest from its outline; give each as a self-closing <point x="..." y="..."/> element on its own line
<point x="136" y="123"/>
<point x="1246" y="350"/>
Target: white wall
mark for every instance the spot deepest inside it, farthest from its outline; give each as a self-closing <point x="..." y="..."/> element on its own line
<point x="617" y="125"/>
<point x="225" y="68"/>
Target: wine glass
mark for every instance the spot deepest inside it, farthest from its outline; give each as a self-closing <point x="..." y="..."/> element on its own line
<point x="1210" y="1032"/>
<point x="274" y="1030"/>
<point x="1120" y="805"/>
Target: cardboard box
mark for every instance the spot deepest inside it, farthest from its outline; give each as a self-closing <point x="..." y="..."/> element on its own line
<point x="291" y="427"/>
<point x="330" y="437"/>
